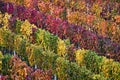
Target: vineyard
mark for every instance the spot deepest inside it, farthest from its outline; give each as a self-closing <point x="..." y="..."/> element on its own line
<point x="59" y="39"/>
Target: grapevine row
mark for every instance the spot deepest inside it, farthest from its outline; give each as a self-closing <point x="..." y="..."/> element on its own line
<point x="94" y="16"/>
<point x="12" y="67"/>
<point x="91" y="66"/>
<point x="78" y="35"/>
